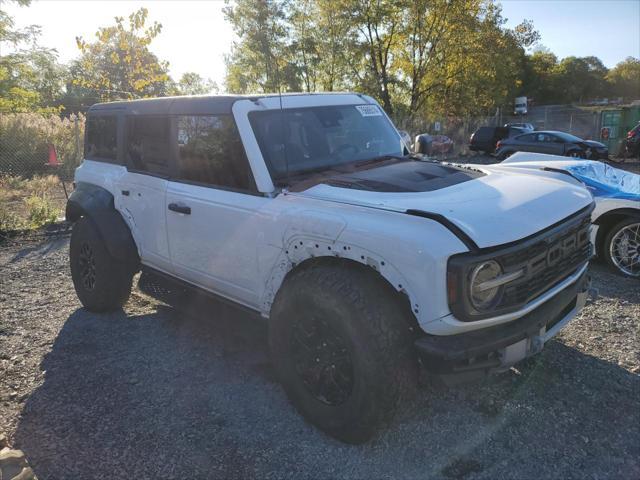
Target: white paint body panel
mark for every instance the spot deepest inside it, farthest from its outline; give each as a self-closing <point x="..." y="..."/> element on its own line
<point x="241" y="246"/>
<point x="143" y="208"/>
<point x="498" y="208"/>
<point x="534" y="162"/>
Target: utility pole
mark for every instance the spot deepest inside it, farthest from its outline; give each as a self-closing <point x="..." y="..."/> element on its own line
<point x="546" y="108"/>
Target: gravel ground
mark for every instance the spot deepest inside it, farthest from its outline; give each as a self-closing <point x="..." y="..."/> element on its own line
<point x="157" y="393"/>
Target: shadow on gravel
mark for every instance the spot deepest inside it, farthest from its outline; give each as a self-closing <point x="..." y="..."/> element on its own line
<point x="41" y="249"/>
<point x="168" y="395"/>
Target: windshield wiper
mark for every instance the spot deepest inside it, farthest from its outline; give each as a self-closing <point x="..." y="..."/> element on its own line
<point x="348" y="167"/>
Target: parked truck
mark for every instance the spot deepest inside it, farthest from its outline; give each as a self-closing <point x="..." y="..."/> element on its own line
<point x="520" y="106"/>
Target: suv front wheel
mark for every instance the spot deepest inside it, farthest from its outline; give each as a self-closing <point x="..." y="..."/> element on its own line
<point x="102" y="282"/>
<point x="341" y="345"/>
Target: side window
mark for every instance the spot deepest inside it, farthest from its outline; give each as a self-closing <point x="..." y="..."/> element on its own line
<point x="210" y="151"/>
<point x="147" y="143"/>
<point x="102" y="138"/>
<point x="527" y="138"/>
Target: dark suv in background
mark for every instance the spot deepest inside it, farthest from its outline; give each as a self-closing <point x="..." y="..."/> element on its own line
<point x="485" y="138"/>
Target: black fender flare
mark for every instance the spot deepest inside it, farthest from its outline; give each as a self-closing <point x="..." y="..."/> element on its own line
<point x="607" y="220"/>
<point x="617" y="212"/>
<point x="96" y="203"/>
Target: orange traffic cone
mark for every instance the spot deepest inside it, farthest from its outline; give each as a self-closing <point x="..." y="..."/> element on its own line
<point x="53" y="156"/>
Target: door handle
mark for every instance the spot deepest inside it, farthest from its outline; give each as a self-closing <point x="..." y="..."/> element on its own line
<point x="176" y="207"/>
<point x="125" y="193"/>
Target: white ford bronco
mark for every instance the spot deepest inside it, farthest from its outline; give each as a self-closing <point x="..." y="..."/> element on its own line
<point x="366" y="262"/>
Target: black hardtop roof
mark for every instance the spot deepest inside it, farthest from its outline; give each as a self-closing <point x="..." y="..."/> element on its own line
<point x="185" y="105"/>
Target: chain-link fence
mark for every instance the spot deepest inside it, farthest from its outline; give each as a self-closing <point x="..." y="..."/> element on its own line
<point x="582" y="122"/>
<point x="458" y="130"/>
<point x="36" y="144"/>
<point x="38" y="155"/>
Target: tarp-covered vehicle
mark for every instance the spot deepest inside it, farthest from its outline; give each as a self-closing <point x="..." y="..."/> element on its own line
<point x="616" y="218"/>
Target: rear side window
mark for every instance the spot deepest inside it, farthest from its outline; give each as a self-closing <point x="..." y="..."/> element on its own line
<point x="102" y="138"/>
<point x="147" y="145"/>
<point x="210" y="152"/>
<point x="527" y="138"/>
<point x="544" y="138"/>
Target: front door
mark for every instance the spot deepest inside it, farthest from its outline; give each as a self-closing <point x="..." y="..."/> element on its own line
<point x="214" y="236"/>
<point x="215" y="217"/>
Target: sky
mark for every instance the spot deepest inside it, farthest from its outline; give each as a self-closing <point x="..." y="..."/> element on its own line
<point x="195" y="36"/>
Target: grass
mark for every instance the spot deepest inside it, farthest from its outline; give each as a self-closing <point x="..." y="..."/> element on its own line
<point x="29" y="203"/>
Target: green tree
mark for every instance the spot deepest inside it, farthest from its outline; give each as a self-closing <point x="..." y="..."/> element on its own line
<point x="461" y="59"/>
<point x="414" y="56"/>
<point x="31" y="79"/>
<point x="581" y="79"/>
<point x="540" y="80"/>
<point x="191" y="83"/>
<point x="624" y="79"/>
<point x="119" y="64"/>
<point x="335" y="46"/>
<point x="262" y="60"/>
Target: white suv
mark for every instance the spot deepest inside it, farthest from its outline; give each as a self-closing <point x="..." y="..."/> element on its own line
<point x="365" y="261"/>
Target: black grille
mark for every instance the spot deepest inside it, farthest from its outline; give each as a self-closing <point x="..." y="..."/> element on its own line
<point x="546" y="263"/>
<point x="547" y="258"/>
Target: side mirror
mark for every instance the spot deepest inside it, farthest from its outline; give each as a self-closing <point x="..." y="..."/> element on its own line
<point x="422" y="144"/>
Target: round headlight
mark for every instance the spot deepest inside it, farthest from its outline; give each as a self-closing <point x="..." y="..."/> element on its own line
<point x="483" y="294"/>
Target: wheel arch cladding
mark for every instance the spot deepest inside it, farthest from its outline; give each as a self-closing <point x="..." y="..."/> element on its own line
<point x="607" y="220"/>
<point x="97" y="204"/>
<point x="368" y="264"/>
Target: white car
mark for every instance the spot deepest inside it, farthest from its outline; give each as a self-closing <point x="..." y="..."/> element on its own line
<point x="616" y="218"/>
<point x="303" y="209"/>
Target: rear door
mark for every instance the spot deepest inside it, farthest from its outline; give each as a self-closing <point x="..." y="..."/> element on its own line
<point x="546" y="143"/>
<point x="215" y="216"/>
<point x="141" y="192"/>
<point x="525" y="143"/>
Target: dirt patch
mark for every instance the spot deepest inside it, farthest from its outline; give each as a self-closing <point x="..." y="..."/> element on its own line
<point x="152" y="392"/>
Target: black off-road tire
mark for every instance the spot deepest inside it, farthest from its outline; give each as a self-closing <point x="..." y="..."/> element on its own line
<point x="372" y="320"/>
<point x="605" y="252"/>
<point x="102" y="282"/>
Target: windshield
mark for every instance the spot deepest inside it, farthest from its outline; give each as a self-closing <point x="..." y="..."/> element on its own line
<point x="312" y="139"/>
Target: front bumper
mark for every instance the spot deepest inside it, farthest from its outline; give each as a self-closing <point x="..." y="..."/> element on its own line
<point x="498" y="348"/>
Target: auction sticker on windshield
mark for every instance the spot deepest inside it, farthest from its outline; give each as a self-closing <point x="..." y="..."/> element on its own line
<point x="369" y="110"/>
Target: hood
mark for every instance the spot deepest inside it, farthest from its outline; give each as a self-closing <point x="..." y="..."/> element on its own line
<point x="593" y="143"/>
<point x="498" y="207"/>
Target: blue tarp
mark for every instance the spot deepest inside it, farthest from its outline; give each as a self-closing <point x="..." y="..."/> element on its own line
<point x="603" y="180"/>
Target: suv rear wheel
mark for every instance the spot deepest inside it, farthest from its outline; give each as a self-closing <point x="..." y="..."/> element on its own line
<point x="102" y="282"/>
<point x="342" y="347"/>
